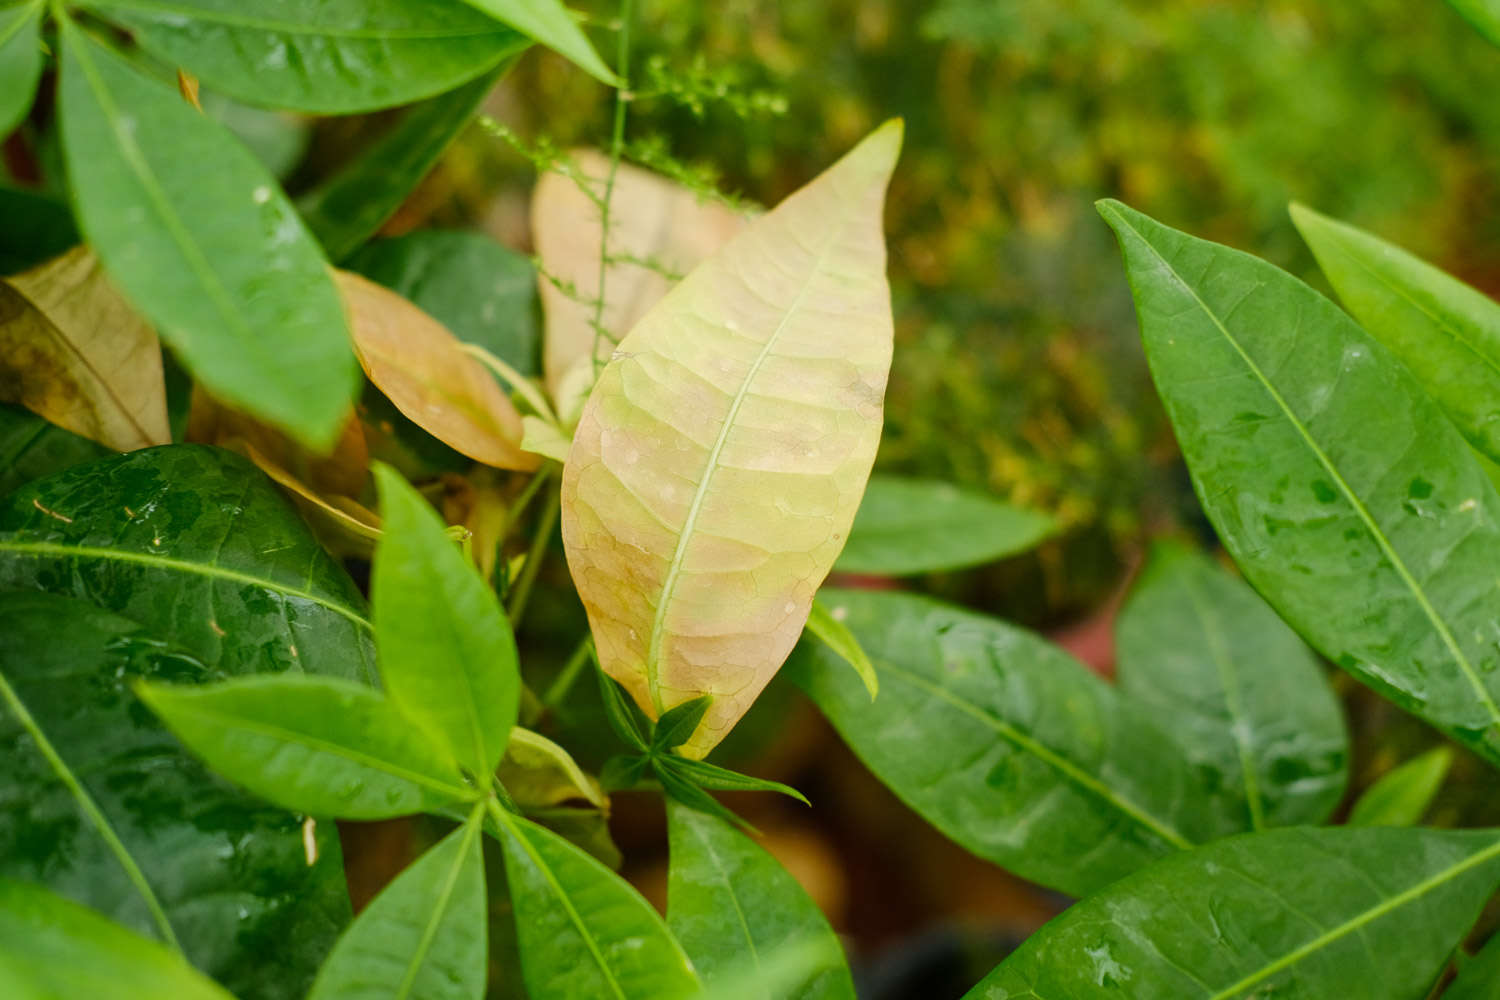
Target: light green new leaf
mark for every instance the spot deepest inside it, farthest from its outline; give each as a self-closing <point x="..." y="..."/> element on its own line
<point x="1401" y="796"/>
<point x="1446" y="333"/>
<point x="832" y="631"/>
<point x="1008" y="745"/>
<point x="1484" y="15"/>
<point x="1346" y="496"/>
<point x="1247" y="701"/>
<point x="312" y="744"/>
<point x="718" y="873"/>
<point x="53" y="949"/>
<point x="447" y="656"/>
<point x="1300" y="914"/>
<point x="199" y="236"/>
<point x="584" y="932"/>
<point x="20" y="61"/>
<point x="1478" y="977"/>
<point x="550" y="23"/>
<point x="907" y="526"/>
<point x="425" y="937"/>
<point x="719" y="461"/>
<point x="326" y="58"/>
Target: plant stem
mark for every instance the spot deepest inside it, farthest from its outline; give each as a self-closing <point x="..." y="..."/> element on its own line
<point x="569" y="673"/>
<point x="616" y="148"/>
<point x="522" y="591"/>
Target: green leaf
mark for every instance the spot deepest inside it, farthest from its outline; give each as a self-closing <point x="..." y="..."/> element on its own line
<point x="550" y="23"/>
<point x="1305" y="913"/>
<point x="484" y="292"/>
<point x="679" y="789"/>
<point x="677" y="724"/>
<point x="1446" y="333"/>
<point x="1478" y="977"/>
<point x="346" y="208"/>
<point x="101" y="804"/>
<point x="584" y="932"/>
<point x="620" y="713"/>
<point x="30" y="448"/>
<point x="201" y="238"/>
<point x="314" y="744"/>
<point x="447" y="655"/>
<point x="1484" y="15"/>
<point x="1402" y="796"/>
<point x="907" y="526"/>
<point x="37" y="228"/>
<point x="55" y="949"/>
<point x="332" y="59"/>
<point x="195" y="543"/>
<point x="1007" y="745"/>
<point x="425" y="936"/>
<point x="1330" y="476"/>
<point x="706" y="775"/>
<point x="731" y="904"/>
<point x="719" y="460"/>
<point x="1245" y="698"/>
<point x="20" y="62"/>
<point x="822" y="623"/>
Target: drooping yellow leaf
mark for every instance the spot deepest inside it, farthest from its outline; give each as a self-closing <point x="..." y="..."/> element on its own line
<point x="73" y="351"/>
<point x="423" y="369"/>
<point x="720" y="459"/>
<point x="658" y="230"/>
<point x="537" y="772"/>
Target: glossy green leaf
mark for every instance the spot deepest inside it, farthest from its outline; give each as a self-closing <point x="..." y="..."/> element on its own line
<point x="584" y="932"/>
<point x="315" y="744"/>
<point x="20" y="61"/>
<point x="1007" y="745"/>
<point x="37" y="228"/>
<point x="1478" y="977"/>
<point x="1371" y="913"/>
<point x="197" y="544"/>
<point x="101" y="804"/>
<point x="1234" y="686"/>
<point x="620" y="713"/>
<point x="447" y="655"/>
<point x="1402" y="796"/>
<point x="678" y="723"/>
<point x="550" y="23"/>
<point x="30" y="448"/>
<point x="327" y="58"/>
<point x="907" y="526"/>
<point x="424" y="937"/>
<point x="719" y="460"/>
<point x="53" y="949"/>
<point x="1346" y="496"/>
<point x="346" y="208"/>
<point x="1482" y="14"/>
<point x="1446" y="333"/>
<point x="484" y="292"/>
<point x="837" y="637"/>
<point x="731" y="904"/>
<point x="201" y="238"/>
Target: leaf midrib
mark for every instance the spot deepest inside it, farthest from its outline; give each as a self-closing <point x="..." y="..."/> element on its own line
<point x="440" y="905"/>
<point x="724" y="880"/>
<point x="295" y="28"/>
<point x="1438" y="624"/>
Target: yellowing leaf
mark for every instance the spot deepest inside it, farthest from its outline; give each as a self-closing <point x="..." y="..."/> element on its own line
<point x="537" y="772"/>
<point x="423" y="369"/>
<point x="719" y="461"/>
<point x="655" y="225"/>
<point x="74" y="352"/>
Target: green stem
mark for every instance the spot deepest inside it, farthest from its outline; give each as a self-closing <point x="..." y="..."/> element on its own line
<point x="568" y="675"/>
<point x="616" y="149"/>
<point x="522" y="592"/>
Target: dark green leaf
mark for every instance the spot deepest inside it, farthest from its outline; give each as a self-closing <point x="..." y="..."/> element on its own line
<point x="1478" y="977"/>
<point x="201" y="238"/>
<point x="197" y="544"/>
<point x="20" y="61"/>
<point x="1370" y="913"/>
<point x="620" y="711"/>
<point x="1446" y="333"/>
<point x="836" y="636"/>
<point x="54" y="949"/>
<point x="1402" y="795"/>
<point x="425" y="936"/>
<point x="37" y="228"/>
<point x="30" y="448"/>
<point x="550" y="23"/>
<point x="447" y="655"/>
<point x="677" y="724"/>
<point x="715" y="871"/>
<point x="278" y="140"/>
<point x="679" y="789"/>
<point x="623" y="771"/>
<point x="1483" y="15"/>
<point x="584" y="932"/>
<point x="482" y="291"/>
<point x="1007" y="745"/>
<point x="349" y="206"/>
<point x="315" y="744"/>
<point x="1244" y="697"/>
<point x="1345" y="495"/>
<point x="327" y="58"/>
<point x="706" y="775"/>
<point x="99" y="802"/>
<point x="907" y="526"/>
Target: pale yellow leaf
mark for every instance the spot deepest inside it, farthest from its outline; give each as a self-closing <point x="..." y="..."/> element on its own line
<point x="656" y="225"/>
<point x="720" y="459"/>
<point x="537" y="772"/>
<point x="542" y="438"/>
<point x="423" y="369"/>
<point x="76" y="353"/>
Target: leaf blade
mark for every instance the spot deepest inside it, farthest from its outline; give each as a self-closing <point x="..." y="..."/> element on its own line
<point x="833" y="633"/>
<point x="20" y="62"/>
<point x="549" y="22"/>
<point x="1403" y="795"/>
